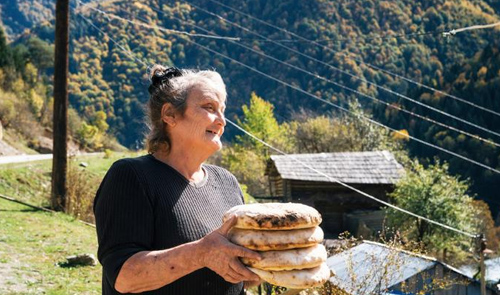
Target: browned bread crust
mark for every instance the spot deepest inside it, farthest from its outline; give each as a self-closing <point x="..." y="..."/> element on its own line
<point x="265" y="240"/>
<point x="274" y="216"/>
<point x="299" y="258"/>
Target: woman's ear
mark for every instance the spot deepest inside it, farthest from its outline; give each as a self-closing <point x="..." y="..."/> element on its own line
<point x="168" y="114"/>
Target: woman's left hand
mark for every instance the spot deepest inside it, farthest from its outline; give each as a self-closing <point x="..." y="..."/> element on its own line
<point x="220" y="255"/>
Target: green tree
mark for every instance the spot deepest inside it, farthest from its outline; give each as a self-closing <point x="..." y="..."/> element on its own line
<point x="247" y="158"/>
<point x="41" y="53"/>
<point x="259" y="119"/>
<point x="5" y="52"/>
<point x="435" y="194"/>
<point x="20" y="57"/>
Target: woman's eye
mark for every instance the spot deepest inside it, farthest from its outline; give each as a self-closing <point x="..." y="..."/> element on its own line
<point x="211" y="108"/>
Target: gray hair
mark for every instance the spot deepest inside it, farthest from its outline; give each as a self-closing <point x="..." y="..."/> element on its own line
<point x="172" y="85"/>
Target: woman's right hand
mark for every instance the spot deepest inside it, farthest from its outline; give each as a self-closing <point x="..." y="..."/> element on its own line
<point x="220" y="255"/>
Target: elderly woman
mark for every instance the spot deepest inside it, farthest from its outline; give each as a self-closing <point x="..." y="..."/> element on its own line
<point x="159" y="216"/>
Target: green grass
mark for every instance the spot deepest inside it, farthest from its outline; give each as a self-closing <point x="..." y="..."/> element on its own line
<point x="33" y="242"/>
<point x="99" y="165"/>
<point x="30" y="182"/>
<point x="31" y="245"/>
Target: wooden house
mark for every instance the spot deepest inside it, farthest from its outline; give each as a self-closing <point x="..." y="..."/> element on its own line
<point x="291" y="179"/>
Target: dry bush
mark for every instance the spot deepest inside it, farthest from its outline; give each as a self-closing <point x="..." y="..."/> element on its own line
<point x="82" y="186"/>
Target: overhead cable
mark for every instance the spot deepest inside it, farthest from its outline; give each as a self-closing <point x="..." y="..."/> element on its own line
<point x="363" y="37"/>
<point x="346" y="110"/>
<point x="354" y="76"/>
<point x="334" y="179"/>
<point x="315" y="75"/>
<point x="333" y="82"/>
<point x="168" y="31"/>
<point x="360" y="61"/>
<point x="128" y="52"/>
<point x="333" y="104"/>
<point x="476" y="27"/>
<point x="348" y="186"/>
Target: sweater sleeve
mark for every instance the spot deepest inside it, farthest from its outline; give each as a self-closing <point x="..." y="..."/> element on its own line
<point x="124" y="219"/>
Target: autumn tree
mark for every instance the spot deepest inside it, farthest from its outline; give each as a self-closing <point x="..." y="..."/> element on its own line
<point x="344" y="133"/>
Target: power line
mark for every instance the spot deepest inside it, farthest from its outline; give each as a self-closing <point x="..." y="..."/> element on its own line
<point x="363" y="37"/>
<point x="335" y="83"/>
<point x="351" y="75"/>
<point x="476" y="27"/>
<point x="333" y="179"/>
<point x="351" y="89"/>
<point x="346" y="185"/>
<point x="11" y="199"/>
<point x="346" y="110"/>
<point x="168" y="31"/>
<point x="128" y="52"/>
<point x="359" y="60"/>
<point x="337" y="106"/>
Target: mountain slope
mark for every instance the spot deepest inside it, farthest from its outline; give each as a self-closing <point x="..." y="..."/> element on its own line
<point x="108" y="86"/>
<point x="16" y="16"/>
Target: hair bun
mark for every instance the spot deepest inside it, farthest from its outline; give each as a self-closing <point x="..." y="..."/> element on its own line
<point x="164" y="74"/>
<point x="161" y="75"/>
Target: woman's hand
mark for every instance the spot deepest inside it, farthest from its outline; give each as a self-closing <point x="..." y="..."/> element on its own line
<point x="220" y="255"/>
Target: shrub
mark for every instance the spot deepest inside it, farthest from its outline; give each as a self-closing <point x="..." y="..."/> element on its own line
<point x="82" y="186"/>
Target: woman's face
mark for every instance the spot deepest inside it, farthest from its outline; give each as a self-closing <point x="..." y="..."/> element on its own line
<point x="202" y="125"/>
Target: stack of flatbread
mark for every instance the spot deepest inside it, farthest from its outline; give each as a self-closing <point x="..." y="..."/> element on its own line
<point x="288" y="239"/>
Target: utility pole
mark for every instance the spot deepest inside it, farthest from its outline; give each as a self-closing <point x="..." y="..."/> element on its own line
<point x="60" y="119"/>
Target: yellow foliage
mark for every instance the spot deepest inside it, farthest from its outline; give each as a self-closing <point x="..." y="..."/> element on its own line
<point x="482" y="72"/>
<point x="36" y="102"/>
<point x="401" y="135"/>
<point x="31" y="74"/>
<point x="18" y="86"/>
<point x="2" y="78"/>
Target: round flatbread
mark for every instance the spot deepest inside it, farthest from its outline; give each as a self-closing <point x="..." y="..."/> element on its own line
<point x="265" y="240"/>
<point x="289" y="259"/>
<point x="274" y="216"/>
<point x="295" y="279"/>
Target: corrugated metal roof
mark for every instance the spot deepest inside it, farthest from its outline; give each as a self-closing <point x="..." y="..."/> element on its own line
<point x="492" y="270"/>
<point x="373" y="268"/>
<point x="378" y="167"/>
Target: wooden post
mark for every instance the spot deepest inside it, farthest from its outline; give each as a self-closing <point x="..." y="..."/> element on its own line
<point x="482" y="247"/>
<point x="60" y="160"/>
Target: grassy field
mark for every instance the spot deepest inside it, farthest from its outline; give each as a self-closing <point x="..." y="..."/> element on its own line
<point x="30" y="182"/>
<point x="32" y="242"/>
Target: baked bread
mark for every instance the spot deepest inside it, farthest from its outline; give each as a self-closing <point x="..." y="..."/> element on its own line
<point x="295" y="279"/>
<point x="274" y="216"/>
<point x="289" y="259"/>
<point x="265" y="240"/>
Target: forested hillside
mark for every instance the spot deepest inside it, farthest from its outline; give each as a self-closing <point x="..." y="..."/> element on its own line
<point x="16" y="16"/>
<point x="108" y="86"/>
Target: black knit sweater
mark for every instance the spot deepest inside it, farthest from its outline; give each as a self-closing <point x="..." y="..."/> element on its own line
<point x="144" y="204"/>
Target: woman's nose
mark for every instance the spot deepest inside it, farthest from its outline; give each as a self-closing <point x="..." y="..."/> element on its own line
<point x="221" y="118"/>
